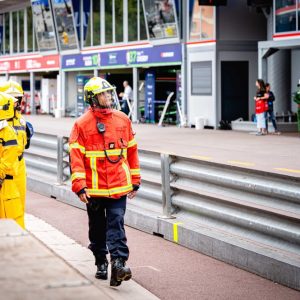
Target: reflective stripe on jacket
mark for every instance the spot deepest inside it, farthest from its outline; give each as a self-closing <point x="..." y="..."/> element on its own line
<point x="8" y="152"/>
<point x="90" y="166"/>
<point x="19" y="124"/>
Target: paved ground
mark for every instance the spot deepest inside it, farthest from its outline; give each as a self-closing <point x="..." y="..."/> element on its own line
<point x="167" y="270"/>
<point x="29" y="270"/>
<point x="272" y="153"/>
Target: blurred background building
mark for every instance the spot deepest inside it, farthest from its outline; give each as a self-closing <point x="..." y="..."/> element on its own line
<point x="208" y="52"/>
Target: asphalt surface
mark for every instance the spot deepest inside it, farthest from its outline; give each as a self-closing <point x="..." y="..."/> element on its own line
<point x="166" y="269"/>
<point x="271" y="153"/>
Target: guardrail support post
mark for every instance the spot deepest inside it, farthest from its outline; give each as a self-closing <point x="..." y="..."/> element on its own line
<point x="60" y="160"/>
<point x="166" y="189"/>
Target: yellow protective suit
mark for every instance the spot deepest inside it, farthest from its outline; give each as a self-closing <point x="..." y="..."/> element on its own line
<point x="19" y="124"/>
<point x="10" y="202"/>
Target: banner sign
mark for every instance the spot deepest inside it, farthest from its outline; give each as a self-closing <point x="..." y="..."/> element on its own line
<point x="63" y="16"/>
<point x="43" y="24"/>
<point x="85" y="16"/>
<point x="150" y="97"/>
<point x="50" y="62"/>
<point x="160" y="19"/>
<point x="124" y="58"/>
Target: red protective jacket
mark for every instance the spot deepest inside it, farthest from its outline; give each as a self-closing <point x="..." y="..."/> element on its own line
<point x="91" y="168"/>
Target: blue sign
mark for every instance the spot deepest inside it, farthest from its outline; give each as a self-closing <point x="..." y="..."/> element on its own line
<point x="81" y="80"/>
<point x="125" y="58"/>
<point x="149" y="97"/>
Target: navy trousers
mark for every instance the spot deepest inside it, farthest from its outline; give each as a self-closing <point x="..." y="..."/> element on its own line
<point x="106" y="228"/>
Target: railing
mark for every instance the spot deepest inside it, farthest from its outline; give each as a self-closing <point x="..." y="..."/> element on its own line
<point x="249" y="207"/>
<point x="213" y="194"/>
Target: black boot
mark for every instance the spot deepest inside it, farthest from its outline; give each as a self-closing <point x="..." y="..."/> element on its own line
<point x="101" y="269"/>
<point x="119" y="272"/>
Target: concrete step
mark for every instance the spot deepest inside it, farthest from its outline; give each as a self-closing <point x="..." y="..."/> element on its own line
<point x="251" y="126"/>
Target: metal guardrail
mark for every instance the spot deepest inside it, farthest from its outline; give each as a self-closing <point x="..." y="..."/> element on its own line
<point x="48" y="157"/>
<point x="254" y="207"/>
<point x="223" y="196"/>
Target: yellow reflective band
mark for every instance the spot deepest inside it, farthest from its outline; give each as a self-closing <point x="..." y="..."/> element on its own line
<point x="91" y="154"/>
<point x="108" y="192"/>
<point x="77" y="146"/>
<point x="175" y="231"/>
<point x="94" y="173"/>
<point x="128" y="177"/>
<point x="131" y="143"/>
<point x="77" y="175"/>
<point x="135" y="171"/>
<point x="111" y="152"/>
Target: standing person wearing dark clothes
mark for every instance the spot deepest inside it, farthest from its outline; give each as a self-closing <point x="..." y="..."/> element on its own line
<point x="270" y="112"/>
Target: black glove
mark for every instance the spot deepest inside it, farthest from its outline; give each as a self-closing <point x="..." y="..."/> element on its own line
<point x="135" y="187"/>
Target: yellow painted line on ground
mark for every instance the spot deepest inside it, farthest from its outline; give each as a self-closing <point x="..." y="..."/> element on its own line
<point x="242" y="163"/>
<point x="287" y="170"/>
<point x="175" y="231"/>
<point x="201" y="157"/>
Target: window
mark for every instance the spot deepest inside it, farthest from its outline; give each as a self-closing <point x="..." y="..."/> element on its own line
<point x="96" y="23"/>
<point x="142" y="25"/>
<point x="132" y="20"/>
<point x="6" y="34"/>
<point x="87" y="22"/>
<point x="298" y="15"/>
<point x="201" y="83"/>
<point x="108" y="22"/>
<point x="15" y="31"/>
<point x="285" y="15"/>
<point x="119" y="21"/>
<point x="202" y="25"/>
<point x="30" y="32"/>
<point x="21" y="30"/>
<point x="136" y="21"/>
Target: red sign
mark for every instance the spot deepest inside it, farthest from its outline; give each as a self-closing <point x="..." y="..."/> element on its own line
<point x="29" y="63"/>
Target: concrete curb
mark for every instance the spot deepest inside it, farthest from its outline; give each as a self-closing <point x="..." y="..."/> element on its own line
<point x="81" y="260"/>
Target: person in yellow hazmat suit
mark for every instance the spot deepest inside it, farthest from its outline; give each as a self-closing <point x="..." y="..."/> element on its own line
<point x="14" y="89"/>
<point x="10" y="201"/>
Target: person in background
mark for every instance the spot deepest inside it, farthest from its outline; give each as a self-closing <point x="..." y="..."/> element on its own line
<point x="22" y="129"/>
<point x="270" y="110"/>
<point x="10" y="202"/>
<point x="297" y="100"/>
<point x="105" y="171"/>
<point x="126" y="95"/>
<point x="260" y="106"/>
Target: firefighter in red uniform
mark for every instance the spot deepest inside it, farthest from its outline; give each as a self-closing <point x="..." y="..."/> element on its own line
<point x="105" y="170"/>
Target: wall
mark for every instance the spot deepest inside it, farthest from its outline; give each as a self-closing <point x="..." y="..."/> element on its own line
<point x="48" y="95"/>
<point x="201" y="106"/>
<point x="237" y="21"/>
<point x="71" y="92"/>
<point x="279" y="76"/>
